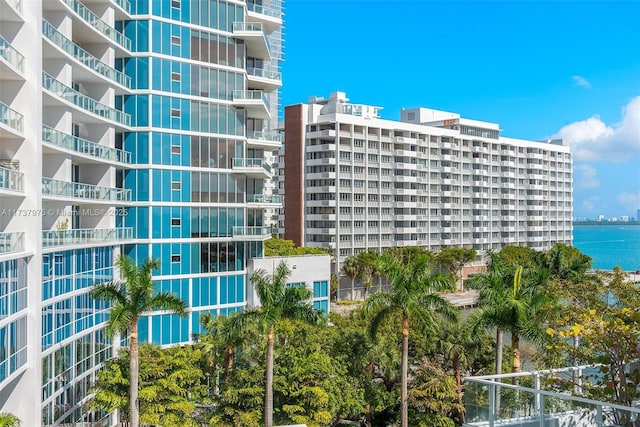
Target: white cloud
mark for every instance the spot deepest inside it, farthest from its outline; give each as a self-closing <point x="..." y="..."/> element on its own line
<point x="593" y="140"/>
<point x="581" y="81"/>
<point x="591" y="203"/>
<point x="630" y="200"/>
<point x="586" y="176"/>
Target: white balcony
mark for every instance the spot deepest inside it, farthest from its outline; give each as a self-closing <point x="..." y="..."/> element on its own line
<point x="266" y="80"/>
<point x="11" y="10"/>
<point x="254" y="101"/>
<point x="264" y="200"/>
<point x="91" y="110"/>
<point x="255" y="168"/>
<point x="251" y="233"/>
<point x="89" y="68"/>
<point x="54" y="239"/>
<point x="254" y="37"/>
<point x="11" y="242"/>
<point x="87" y="193"/>
<point x="83" y="151"/>
<point x="11" y="122"/>
<point x="11" y="182"/>
<point x="11" y="61"/>
<point x="99" y="31"/>
<point x="266" y="14"/>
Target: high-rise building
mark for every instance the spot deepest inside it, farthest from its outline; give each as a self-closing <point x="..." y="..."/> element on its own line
<point x="353" y="181"/>
<point x="126" y="127"/>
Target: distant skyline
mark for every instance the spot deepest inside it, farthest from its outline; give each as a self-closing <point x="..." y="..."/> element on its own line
<point x="540" y="69"/>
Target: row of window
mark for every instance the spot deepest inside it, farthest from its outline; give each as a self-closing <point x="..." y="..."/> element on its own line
<point x="13" y="347"/>
<point x="13" y="287"/>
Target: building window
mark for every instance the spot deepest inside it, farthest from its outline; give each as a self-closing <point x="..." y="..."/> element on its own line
<point x="175" y="112"/>
<point x="176" y="185"/>
<point x="175" y="221"/>
<point x="175" y="4"/>
<point x="175" y="40"/>
<point x="176" y="149"/>
<point x="175" y="258"/>
<point x="175" y="77"/>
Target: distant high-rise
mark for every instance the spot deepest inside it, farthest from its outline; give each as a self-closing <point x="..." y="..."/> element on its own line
<point x="353" y="181"/>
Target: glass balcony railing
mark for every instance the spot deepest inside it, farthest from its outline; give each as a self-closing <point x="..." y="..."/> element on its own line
<point x="11" y="118"/>
<point x="124" y="4"/>
<point x="81" y="236"/>
<point x="264" y="198"/>
<point x="251" y="231"/>
<point x="83" y="101"/>
<point x="251" y="163"/>
<point x="83" y="56"/>
<point x="11" y="180"/>
<point x="251" y="95"/>
<point x="253" y="27"/>
<point x="76" y="190"/>
<point x="11" y="242"/>
<point x="83" y="146"/>
<point x="264" y="136"/>
<point x="92" y="19"/>
<point x="266" y="74"/>
<point x="264" y="10"/>
<point x="12" y="56"/>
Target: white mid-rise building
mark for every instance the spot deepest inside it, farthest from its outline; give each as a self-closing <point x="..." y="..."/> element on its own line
<point x="353" y="181"/>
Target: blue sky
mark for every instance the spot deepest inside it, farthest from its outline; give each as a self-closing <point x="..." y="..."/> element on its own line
<point x="538" y="68"/>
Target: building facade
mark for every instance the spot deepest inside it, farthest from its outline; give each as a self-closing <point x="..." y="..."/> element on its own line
<point x="353" y="181"/>
<point x="126" y="127"/>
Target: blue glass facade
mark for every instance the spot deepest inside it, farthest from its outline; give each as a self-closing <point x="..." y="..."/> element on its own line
<point x="188" y="129"/>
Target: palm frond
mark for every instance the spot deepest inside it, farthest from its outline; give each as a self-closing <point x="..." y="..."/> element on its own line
<point x="114" y="292"/>
<point x="166" y="301"/>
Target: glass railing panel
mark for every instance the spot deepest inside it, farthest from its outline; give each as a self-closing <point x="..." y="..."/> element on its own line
<point x="12" y="56"/>
<point x="251" y="163"/>
<point x="124" y="4"/>
<point x="251" y="231"/>
<point x="264" y="136"/>
<point x="251" y="95"/>
<point x="51" y="238"/>
<point x="54" y="187"/>
<point x="83" y="56"/>
<point x="264" y="198"/>
<point x="251" y="27"/>
<point x="83" y="101"/>
<point x="11" y="118"/>
<point x="264" y="10"/>
<point x="11" y="180"/>
<point x="83" y="146"/>
<point x="11" y="242"/>
<point x="264" y="73"/>
<point x="92" y="19"/>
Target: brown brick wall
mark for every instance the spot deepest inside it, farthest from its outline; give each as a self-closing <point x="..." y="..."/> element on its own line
<point x="293" y="173"/>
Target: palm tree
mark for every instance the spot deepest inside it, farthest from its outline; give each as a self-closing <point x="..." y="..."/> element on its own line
<point x="350" y="269"/>
<point x="9" y="420"/>
<point x="131" y="296"/>
<point x="277" y="302"/>
<point x="457" y="342"/>
<point x="365" y="267"/>
<point x="413" y="297"/>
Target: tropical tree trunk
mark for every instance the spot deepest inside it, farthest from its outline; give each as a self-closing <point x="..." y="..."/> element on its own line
<point x="228" y="363"/>
<point x="353" y="289"/>
<point x="458" y="374"/>
<point x="268" y="395"/>
<point x="404" y="407"/>
<point x="499" y="339"/>
<point x="515" y="343"/>
<point x="134" y="414"/>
